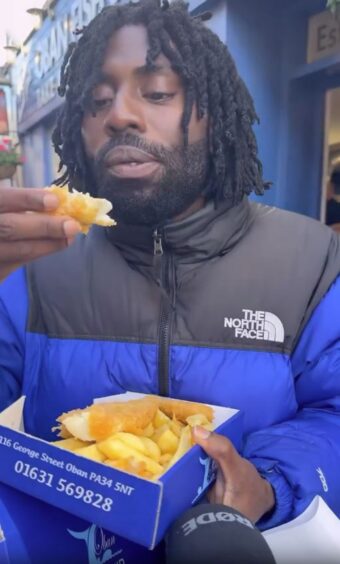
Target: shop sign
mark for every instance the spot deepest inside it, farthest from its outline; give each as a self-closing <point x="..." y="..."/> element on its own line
<point x="323" y="36"/>
<point x="53" y="46"/>
<point x="37" y="72"/>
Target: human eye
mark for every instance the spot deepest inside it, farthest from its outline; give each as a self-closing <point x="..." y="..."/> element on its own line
<point x="102" y="97"/>
<point x="159" y="97"/>
<point x="101" y="103"/>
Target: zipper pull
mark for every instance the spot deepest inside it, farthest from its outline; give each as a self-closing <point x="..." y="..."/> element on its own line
<point x="158" y="257"/>
<point x="157" y="244"/>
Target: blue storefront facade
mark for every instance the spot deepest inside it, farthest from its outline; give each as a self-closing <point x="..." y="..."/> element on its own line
<point x="288" y="53"/>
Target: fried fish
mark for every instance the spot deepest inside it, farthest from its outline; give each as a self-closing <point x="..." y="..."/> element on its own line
<point x="101" y="420"/>
<point x="82" y="207"/>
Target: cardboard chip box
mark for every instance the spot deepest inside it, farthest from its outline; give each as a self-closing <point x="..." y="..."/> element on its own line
<point x="37" y="533"/>
<point x="135" y="508"/>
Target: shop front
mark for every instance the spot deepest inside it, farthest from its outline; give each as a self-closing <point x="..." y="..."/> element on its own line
<point x="313" y="111"/>
<point x="289" y="55"/>
<point x="35" y="76"/>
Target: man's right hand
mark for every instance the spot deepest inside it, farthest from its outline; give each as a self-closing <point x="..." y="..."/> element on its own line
<point x="28" y="236"/>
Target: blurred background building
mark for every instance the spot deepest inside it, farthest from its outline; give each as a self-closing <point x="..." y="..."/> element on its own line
<point x="288" y="53"/>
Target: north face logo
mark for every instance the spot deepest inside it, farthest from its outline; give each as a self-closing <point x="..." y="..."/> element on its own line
<point x="260" y="325"/>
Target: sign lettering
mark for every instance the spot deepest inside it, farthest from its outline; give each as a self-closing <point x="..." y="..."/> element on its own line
<point x="323" y="36"/>
<point x="39" y="69"/>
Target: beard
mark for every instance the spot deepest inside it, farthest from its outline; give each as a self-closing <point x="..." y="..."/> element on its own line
<point x="152" y="201"/>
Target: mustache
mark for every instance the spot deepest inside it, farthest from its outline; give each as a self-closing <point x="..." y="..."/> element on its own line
<point x="156" y="150"/>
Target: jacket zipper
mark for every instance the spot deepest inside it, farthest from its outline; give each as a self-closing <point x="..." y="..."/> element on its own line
<point x="165" y="274"/>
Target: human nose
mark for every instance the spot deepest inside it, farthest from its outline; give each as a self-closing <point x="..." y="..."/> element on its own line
<point x="125" y="113"/>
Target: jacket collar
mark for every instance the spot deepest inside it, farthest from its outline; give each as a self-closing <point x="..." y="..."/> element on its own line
<point x="206" y="233"/>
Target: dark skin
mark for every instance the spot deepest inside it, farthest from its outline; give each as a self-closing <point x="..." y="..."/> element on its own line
<point x="142" y="103"/>
<point x="25" y="236"/>
<point x="151" y="105"/>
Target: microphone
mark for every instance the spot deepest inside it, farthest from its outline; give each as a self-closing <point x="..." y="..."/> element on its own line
<point x="216" y="534"/>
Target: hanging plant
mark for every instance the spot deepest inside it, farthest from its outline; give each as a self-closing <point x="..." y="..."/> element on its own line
<point x="9" y="158"/>
<point x="8" y="154"/>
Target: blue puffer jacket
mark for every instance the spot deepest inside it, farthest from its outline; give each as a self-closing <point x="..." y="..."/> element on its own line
<point x="232" y="306"/>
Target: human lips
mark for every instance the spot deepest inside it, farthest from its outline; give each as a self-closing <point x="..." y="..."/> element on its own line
<point x="130" y="162"/>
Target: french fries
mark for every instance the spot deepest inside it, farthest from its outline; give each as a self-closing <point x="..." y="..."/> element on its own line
<point x="71" y="444"/>
<point x="144" y="437"/>
<point x="92" y="452"/>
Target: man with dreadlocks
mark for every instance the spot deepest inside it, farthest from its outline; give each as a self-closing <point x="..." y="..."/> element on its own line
<point x="197" y="293"/>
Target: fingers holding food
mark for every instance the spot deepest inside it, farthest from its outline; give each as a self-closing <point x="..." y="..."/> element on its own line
<point x="37" y="222"/>
<point x="201" y="420"/>
<point x="18" y="226"/>
<point x="27" y="199"/>
<point x="27" y="232"/>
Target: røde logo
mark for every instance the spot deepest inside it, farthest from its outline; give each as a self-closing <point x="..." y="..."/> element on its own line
<point x="259" y="325"/>
<point x="212" y="517"/>
<point x="322" y="479"/>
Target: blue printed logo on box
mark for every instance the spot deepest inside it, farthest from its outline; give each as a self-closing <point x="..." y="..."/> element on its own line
<point x="210" y="469"/>
<point x="100" y="548"/>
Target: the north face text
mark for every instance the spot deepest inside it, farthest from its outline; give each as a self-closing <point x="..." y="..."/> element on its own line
<point x="260" y="325"/>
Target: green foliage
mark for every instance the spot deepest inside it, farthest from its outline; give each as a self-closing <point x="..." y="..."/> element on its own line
<point x="333" y="5"/>
<point x="9" y="158"/>
<point x="8" y="153"/>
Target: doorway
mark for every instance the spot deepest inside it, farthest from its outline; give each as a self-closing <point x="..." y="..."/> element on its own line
<point x="330" y="200"/>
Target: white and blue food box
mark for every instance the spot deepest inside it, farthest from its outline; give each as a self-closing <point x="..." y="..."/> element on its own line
<point x="37" y="533"/>
<point x="131" y="507"/>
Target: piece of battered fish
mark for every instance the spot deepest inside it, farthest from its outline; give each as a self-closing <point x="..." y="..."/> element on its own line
<point x="99" y="421"/>
<point x="82" y="207"/>
<point x="181" y="409"/>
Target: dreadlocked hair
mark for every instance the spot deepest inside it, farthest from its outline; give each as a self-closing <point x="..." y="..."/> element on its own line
<point x="211" y="85"/>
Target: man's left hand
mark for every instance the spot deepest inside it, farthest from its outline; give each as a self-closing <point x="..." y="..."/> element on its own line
<point x="238" y="483"/>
